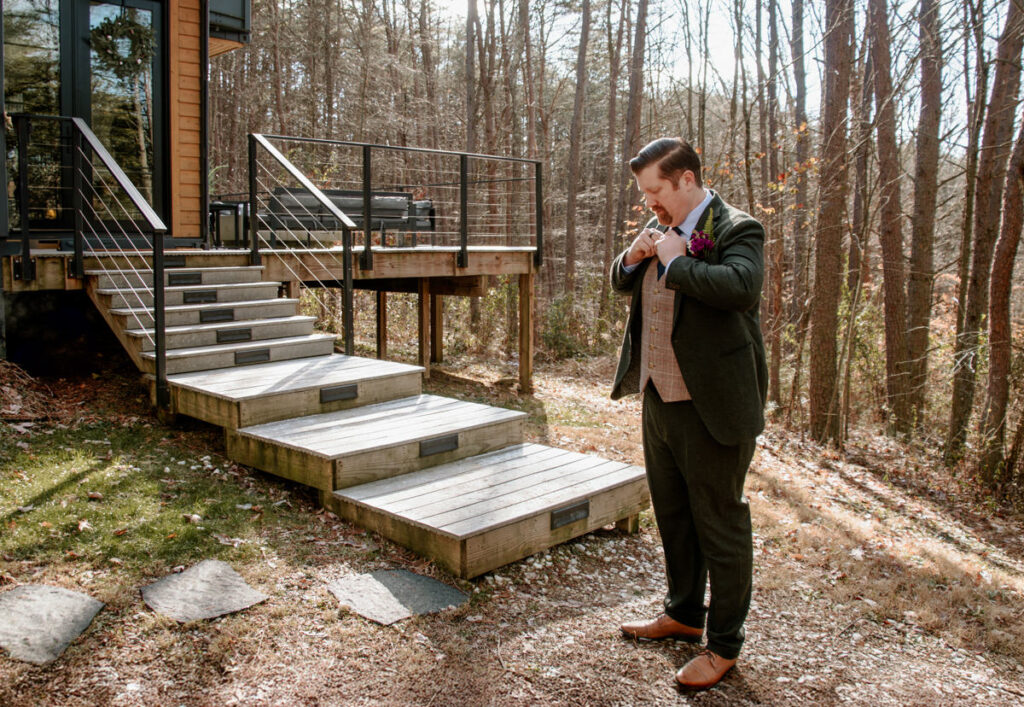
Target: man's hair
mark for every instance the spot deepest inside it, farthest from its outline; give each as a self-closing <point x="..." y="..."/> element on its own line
<point x="673" y="156"/>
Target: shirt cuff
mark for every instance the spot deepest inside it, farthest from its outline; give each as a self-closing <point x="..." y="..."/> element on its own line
<point x="629" y="268"/>
<point x="669" y="263"/>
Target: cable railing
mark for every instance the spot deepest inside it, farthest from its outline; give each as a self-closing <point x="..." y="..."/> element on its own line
<point x="408" y="196"/>
<point x="265" y="222"/>
<point x="90" y="195"/>
<point x="310" y="195"/>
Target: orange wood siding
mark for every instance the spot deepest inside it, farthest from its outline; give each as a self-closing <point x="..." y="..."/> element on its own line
<point x="183" y="20"/>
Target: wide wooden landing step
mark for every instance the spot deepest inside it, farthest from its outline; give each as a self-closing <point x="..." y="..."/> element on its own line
<point x="240" y="397"/>
<point x="348" y="447"/>
<point x="477" y="514"/>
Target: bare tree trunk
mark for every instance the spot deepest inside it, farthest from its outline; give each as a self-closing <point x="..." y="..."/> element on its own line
<point x="1000" y="334"/>
<point x="800" y="210"/>
<point x="278" y="69"/>
<point x="748" y="175"/>
<point x="995" y="150"/>
<point x="612" y="168"/>
<point x="973" y="24"/>
<point x="429" y="72"/>
<point x="575" y="148"/>
<point x="628" y="196"/>
<point x="472" y="25"/>
<point x="890" y="230"/>
<point x="859" y="238"/>
<point x="922" y="245"/>
<point x="830" y="226"/>
<point x="774" y="241"/>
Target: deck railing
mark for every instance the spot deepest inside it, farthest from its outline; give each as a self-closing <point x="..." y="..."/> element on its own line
<point x="93" y="198"/>
<point x="311" y="194"/>
<point x="309" y="223"/>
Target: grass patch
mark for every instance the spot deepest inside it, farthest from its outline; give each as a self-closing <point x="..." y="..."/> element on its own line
<point x="128" y="495"/>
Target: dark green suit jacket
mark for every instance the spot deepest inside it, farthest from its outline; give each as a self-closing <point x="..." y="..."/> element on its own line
<point x="716" y="334"/>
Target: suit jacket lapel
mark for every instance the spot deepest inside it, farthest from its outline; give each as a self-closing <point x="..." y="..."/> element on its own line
<point x="717" y="205"/>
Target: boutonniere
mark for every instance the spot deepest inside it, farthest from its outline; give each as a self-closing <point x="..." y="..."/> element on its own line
<point x="702" y="241"/>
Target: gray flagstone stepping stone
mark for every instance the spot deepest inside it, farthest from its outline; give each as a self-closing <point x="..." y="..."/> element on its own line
<point x="203" y="591"/>
<point x="37" y="621"/>
<point x="387" y="596"/>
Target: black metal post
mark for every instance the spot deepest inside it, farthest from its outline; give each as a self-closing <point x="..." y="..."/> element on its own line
<point x="26" y="269"/>
<point x="78" y="269"/>
<point x="538" y="255"/>
<point x="347" y="312"/>
<point x="463" y="260"/>
<point x="366" y="260"/>
<point x="163" y="391"/>
<point x="254" y="243"/>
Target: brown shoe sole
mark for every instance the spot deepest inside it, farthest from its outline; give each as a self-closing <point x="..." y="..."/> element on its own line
<point x="683" y="637"/>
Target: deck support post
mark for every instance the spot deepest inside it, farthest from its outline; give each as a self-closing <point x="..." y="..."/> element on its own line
<point x="382" y="324"/>
<point x="436" y="328"/>
<point x="526" y="333"/>
<point x="292" y="289"/>
<point x="424" y="325"/>
<point x="629" y="524"/>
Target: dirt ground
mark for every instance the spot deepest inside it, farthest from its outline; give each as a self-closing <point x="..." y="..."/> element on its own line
<point x="878" y="581"/>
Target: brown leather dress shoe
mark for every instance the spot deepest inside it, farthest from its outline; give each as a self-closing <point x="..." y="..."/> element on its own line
<point x="661" y="628"/>
<point x="704" y="671"/>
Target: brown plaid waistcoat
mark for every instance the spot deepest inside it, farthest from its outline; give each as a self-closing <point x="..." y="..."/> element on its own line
<point x="657" y="359"/>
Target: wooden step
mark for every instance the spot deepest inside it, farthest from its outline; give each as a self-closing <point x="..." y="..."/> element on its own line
<point x="339" y="449"/>
<point x="480" y="513"/>
<point x="175" y="277"/>
<point x="188" y="258"/>
<point x="193" y="294"/>
<point x="239" y="397"/>
<point x="205" y="358"/>
<point x="189" y="314"/>
<point x="196" y="335"/>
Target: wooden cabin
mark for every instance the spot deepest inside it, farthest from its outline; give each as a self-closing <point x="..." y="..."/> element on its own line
<point x="108" y="204"/>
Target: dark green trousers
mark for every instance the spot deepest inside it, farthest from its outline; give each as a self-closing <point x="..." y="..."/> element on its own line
<point x="697" y="493"/>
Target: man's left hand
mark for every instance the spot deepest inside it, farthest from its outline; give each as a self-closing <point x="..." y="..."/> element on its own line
<point x="669" y="246"/>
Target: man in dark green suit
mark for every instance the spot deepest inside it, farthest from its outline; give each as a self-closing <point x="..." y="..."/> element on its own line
<point x="693" y="348"/>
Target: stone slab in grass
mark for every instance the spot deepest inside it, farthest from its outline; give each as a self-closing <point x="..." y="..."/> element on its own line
<point x="37" y="621"/>
<point x="387" y="596"/>
<point x="203" y="591"/>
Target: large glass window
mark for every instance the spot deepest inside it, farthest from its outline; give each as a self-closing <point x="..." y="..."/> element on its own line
<point x="121" y="48"/>
<point x="32" y="85"/>
<point x="99" y="61"/>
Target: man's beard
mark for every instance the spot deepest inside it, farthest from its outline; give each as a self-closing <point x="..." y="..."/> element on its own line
<point x="664" y="218"/>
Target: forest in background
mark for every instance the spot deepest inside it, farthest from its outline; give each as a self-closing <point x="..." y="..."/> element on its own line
<point x="881" y="145"/>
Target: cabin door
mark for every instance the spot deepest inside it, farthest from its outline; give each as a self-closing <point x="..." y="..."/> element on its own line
<point x="100" y="61"/>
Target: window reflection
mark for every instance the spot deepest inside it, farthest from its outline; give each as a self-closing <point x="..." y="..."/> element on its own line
<point x="32" y="85"/>
<point x="122" y="44"/>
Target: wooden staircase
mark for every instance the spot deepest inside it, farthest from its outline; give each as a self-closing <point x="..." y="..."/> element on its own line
<point x="450" y="479"/>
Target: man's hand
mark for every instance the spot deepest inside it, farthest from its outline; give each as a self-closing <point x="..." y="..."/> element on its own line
<point x="642" y="247"/>
<point x="669" y="246"/>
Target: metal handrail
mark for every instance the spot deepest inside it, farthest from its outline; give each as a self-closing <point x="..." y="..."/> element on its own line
<point x="347" y="224"/>
<point x="304" y="181"/>
<point x="82" y="131"/>
<point x="398" y="148"/>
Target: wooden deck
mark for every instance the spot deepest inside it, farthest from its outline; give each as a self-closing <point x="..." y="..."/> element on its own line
<point x="432" y="272"/>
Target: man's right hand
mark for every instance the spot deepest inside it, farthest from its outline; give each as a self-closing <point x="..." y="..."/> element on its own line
<point x="642" y="247"/>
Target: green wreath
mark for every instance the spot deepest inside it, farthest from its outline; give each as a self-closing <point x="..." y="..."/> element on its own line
<point x="107" y="41"/>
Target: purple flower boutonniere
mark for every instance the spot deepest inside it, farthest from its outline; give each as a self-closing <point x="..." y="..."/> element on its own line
<point x="703" y="241"/>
